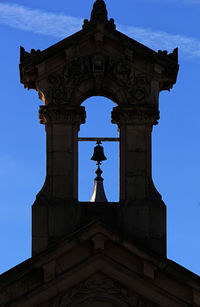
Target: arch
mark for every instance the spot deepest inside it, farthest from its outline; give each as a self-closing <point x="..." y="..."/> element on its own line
<point x="105" y="95"/>
<point x="98" y="124"/>
<point x="88" y="89"/>
<point x="109" y="85"/>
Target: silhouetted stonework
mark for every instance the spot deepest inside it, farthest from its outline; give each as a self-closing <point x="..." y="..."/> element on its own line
<point x="99" y="254"/>
<point x="99" y="60"/>
<point x="95" y="267"/>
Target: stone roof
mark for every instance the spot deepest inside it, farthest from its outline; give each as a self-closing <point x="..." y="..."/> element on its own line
<point x="90" y="254"/>
<point x="99" y="25"/>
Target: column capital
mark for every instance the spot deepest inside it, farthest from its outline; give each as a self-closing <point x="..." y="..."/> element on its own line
<point x="61" y="114"/>
<point x="136" y="114"/>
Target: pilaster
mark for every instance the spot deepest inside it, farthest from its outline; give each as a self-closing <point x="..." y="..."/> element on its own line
<point x="135" y="125"/>
<point x="53" y="213"/>
<point x="62" y="123"/>
<point x="143" y="213"/>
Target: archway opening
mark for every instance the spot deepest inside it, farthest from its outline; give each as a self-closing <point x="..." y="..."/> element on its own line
<point x="98" y="124"/>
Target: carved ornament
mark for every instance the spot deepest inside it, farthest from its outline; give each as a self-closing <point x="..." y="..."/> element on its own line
<point x="134" y="84"/>
<point x="25" y="55"/>
<point x="171" y="56"/>
<point x="101" y="69"/>
<point x="140" y="114"/>
<point x="99" y="288"/>
<point x="61" y="114"/>
<point x="99" y="14"/>
<point x="63" y="84"/>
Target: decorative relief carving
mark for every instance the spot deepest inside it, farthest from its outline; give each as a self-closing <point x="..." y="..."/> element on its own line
<point x="141" y="114"/>
<point x="138" y="90"/>
<point x="98" y="63"/>
<point x="99" y="288"/>
<point x="98" y="67"/>
<point x="134" y="85"/>
<point x="52" y="114"/>
<point x="63" y="84"/>
<point x="124" y="74"/>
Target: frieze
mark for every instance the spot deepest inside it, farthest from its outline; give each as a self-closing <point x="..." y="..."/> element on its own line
<point x="135" y="85"/>
<point x="141" y="114"/>
<point x="124" y="74"/>
<point x="137" y="89"/>
<point x="100" y="68"/>
<point x="99" y="288"/>
<point x="61" y="114"/>
<point x="64" y="83"/>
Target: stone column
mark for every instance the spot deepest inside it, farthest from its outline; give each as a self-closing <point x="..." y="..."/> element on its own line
<point x="62" y="126"/>
<point x="143" y="214"/>
<point x="135" y="125"/>
<point x="54" y="213"/>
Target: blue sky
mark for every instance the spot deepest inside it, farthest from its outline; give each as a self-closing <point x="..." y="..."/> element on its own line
<point x="159" y="24"/>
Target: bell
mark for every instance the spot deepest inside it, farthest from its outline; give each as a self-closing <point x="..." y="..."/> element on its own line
<point x="98" y="195"/>
<point x="98" y="153"/>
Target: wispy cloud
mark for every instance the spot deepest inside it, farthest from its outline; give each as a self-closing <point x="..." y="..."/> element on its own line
<point x="38" y="21"/>
<point x="60" y="26"/>
<point x="188" y="46"/>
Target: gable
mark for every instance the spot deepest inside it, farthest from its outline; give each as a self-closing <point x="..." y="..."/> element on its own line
<point x="98" y="60"/>
<point x="99" y="290"/>
<point x="95" y="266"/>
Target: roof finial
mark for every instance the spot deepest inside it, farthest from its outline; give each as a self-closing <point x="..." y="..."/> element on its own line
<point x="99" y="12"/>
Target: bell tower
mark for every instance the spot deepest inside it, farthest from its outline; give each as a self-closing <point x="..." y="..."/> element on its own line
<point x="99" y="61"/>
<point x="97" y="252"/>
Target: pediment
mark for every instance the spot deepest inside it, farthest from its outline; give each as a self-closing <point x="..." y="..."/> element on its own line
<point x="99" y="38"/>
<point x="96" y="266"/>
<point x="98" y="60"/>
<point x="99" y="290"/>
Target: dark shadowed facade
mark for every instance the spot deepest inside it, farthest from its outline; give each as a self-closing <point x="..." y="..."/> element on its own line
<point x="100" y="253"/>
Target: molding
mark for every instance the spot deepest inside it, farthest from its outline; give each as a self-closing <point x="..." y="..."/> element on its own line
<point x="136" y="114"/>
<point x="99" y="288"/>
<point x="61" y="114"/>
